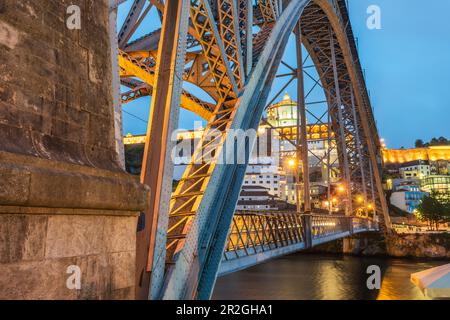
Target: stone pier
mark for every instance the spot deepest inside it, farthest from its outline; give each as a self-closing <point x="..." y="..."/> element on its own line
<point x="65" y="201"/>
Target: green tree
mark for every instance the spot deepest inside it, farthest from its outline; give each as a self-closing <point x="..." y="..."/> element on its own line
<point x="432" y="211"/>
<point x="419" y="143"/>
<point x="443" y="141"/>
<point x="434" y="142"/>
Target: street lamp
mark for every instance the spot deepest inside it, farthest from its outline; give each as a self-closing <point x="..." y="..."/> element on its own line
<point x="261" y="130"/>
<point x="291" y="163"/>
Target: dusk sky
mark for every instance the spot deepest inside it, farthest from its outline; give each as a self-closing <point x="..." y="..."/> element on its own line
<point x="407" y="67"/>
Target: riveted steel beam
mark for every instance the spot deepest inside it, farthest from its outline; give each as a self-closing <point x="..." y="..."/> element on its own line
<point x="157" y="165"/>
<point x="134" y="67"/>
<point x="230" y="35"/>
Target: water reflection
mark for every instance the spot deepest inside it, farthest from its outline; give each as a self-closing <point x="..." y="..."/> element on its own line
<point x="322" y="277"/>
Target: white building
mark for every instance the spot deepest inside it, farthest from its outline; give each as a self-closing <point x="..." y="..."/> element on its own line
<point x="407" y="200"/>
<point x="256" y="198"/>
<point x="418" y="170"/>
<point x="283" y="117"/>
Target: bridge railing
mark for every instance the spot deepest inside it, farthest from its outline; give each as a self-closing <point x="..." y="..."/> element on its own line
<point x="327" y="225"/>
<point x="363" y="224"/>
<point x="254" y="233"/>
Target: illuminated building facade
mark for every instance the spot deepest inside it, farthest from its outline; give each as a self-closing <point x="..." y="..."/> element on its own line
<point x="424" y="168"/>
<point x="282" y="116"/>
<point x="431" y="154"/>
<point x="437" y="184"/>
<point x="415" y="170"/>
<point x="407" y="200"/>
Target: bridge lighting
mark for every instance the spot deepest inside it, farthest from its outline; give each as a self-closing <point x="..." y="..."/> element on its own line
<point x="341" y="188"/>
<point x="370" y="206"/>
<point x="360" y="199"/>
<point x="334" y="200"/>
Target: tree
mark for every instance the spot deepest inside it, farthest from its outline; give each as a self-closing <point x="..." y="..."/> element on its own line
<point x="419" y="143"/>
<point x="432" y="211"/>
<point x="443" y="141"/>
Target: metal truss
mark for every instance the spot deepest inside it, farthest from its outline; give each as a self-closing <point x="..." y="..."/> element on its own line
<point x="323" y="41"/>
<point x="144" y="70"/>
<point x="269" y="10"/>
<point x="236" y="68"/>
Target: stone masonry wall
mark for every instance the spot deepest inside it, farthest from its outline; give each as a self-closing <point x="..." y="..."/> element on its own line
<point x="37" y="250"/>
<point x="55" y="83"/>
<point x="435" y="246"/>
<point x="64" y="199"/>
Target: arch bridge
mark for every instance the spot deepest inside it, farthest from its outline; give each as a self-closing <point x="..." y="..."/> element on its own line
<point x="231" y="50"/>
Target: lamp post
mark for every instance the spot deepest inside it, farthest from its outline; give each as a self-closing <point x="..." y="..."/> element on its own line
<point x="293" y="164"/>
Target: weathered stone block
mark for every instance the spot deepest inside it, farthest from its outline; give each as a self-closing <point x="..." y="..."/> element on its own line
<point x="123" y="294"/>
<point x="123" y="270"/>
<point x="120" y="234"/>
<point x="14" y="186"/>
<point x="22" y="238"/>
<point x="36" y="280"/>
<point x="72" y="236"/>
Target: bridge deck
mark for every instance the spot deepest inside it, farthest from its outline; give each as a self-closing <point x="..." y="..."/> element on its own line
<point x="258" y="237"/>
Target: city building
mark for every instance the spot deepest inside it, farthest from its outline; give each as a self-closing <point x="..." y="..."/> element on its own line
<point x="407" y="200"/>
<point x="256" y="198"/>
<point x="415" y="169"/>
<point x="282" y="116"/>
<point x="406" y="185"/>
<point x="421" y="171"/>
<point x="407" y="194"/>
<point x="437" y="184"/>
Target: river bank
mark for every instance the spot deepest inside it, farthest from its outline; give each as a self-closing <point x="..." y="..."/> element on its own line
<point x="422" y="246"/>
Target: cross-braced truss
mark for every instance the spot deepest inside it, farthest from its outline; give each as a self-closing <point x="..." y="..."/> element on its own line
<point x="231" y="50"/>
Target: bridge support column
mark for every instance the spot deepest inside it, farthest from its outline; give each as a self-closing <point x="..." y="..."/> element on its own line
<point x="302" y="137"/>
<point x="307" y="230"/>
<point x="68" y="211"/>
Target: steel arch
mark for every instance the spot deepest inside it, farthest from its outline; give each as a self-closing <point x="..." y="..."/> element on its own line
<point x="203" y="205"/>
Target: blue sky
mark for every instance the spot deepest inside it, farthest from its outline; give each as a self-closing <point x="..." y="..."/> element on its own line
<point x="407" y="67"/>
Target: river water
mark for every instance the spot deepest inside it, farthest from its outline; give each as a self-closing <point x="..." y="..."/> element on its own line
<point x="322" y="277"/>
